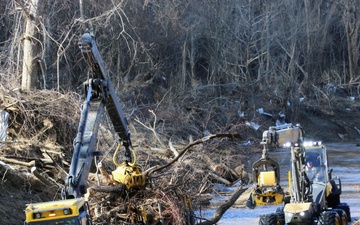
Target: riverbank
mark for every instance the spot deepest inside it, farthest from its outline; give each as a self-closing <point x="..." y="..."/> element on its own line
<point x="33" y="137"/>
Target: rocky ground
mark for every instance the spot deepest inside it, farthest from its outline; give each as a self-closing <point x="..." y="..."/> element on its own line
<point x="42" y="126"/>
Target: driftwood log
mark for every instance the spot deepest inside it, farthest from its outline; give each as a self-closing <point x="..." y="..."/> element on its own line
<point x="224" y="207"/>
<point x="181" y="153"/>
<point x="18" y="162"/>
<point x="11" y="175"/>
<point x="47" y="180"/>
<point x="221" y="172"/>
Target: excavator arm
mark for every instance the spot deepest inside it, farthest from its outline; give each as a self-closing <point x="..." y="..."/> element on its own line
<point x="100" y="97"/>
<point x="266" y="171"/>
<point x="92" y="56"/>
<point x="127" y="172"/>
<point x="85" y="141"/>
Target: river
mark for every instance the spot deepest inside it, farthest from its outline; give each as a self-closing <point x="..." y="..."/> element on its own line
<point x="343" y="158"/>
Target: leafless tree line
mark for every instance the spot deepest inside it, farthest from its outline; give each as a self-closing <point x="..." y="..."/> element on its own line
<point x="290" y="49"/>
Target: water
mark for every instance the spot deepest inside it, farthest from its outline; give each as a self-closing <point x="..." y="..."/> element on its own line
<point x="342" y="158"/>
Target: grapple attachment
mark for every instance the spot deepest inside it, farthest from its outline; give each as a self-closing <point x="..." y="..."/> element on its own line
<point x="129" y="175"/>
<point x="267" y="192"/>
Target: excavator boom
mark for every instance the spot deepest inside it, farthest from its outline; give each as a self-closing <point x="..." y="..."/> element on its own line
<point x="84" y="145"/>
<point x="100" y="96"/>
<point x="92" y="56"/>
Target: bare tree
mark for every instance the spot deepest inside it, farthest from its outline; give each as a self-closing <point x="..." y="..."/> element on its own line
<point x="31" y="47"/>
<point x="351" y="19"/>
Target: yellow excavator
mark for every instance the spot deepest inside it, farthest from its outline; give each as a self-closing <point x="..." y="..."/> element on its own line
<point x="266" y="171"/>
<point x="100" y="95"/>
<point x="314" y="194"/>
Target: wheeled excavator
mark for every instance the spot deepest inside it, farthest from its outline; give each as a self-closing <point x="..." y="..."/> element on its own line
<point x="266" y="171"/>
<point x="313" y="196"/>
<point x="100" y="96"/>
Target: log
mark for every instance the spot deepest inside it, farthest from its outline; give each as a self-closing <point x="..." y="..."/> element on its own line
<point x="46" y="180"/>
<point x="221" y="170"/>
<point x="16" y="178"/>
<point x="62" y="173"/>
<point x="225" y="172"/>
<point x="199" y="141"/>
<point x="18" y="162"/>
<point x="244" y="176"/>
<point x="220" y="179"/>
<point x="224" y="207"/>
<point x="108" y="177"/>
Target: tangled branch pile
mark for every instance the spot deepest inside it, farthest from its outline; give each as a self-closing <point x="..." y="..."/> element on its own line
<point x="42" y="126"/>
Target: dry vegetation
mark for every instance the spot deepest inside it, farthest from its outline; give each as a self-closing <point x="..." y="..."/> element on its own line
<point x="182" y="69"/>
<point x="42" y="140"/>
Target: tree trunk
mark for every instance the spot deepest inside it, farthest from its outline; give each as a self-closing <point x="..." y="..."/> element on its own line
<point x="31" y="66"/>
<point x="352" y="23"/>
<point x="224" y="207"/>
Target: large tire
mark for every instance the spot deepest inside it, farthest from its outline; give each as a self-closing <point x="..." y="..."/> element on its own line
<point x="271" y="219"/>
<point x="329" y="218"/>
<point x="281" y="215"/>
<point x="342" y="215"/>
<point x="346" y="208"/>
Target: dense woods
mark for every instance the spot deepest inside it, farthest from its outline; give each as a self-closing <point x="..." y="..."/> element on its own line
<point x="188" y="48"/>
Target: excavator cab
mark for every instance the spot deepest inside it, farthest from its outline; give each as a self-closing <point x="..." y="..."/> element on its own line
<point x="315" y="164"/>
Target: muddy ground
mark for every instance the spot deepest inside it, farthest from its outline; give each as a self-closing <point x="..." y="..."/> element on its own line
<point x="42" y="126"/>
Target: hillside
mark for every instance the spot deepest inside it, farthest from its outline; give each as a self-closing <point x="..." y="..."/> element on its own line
<point x="42" y="125"/>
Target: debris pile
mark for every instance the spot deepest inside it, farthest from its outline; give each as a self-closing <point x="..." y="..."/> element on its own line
<point x="38" y="150"/>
